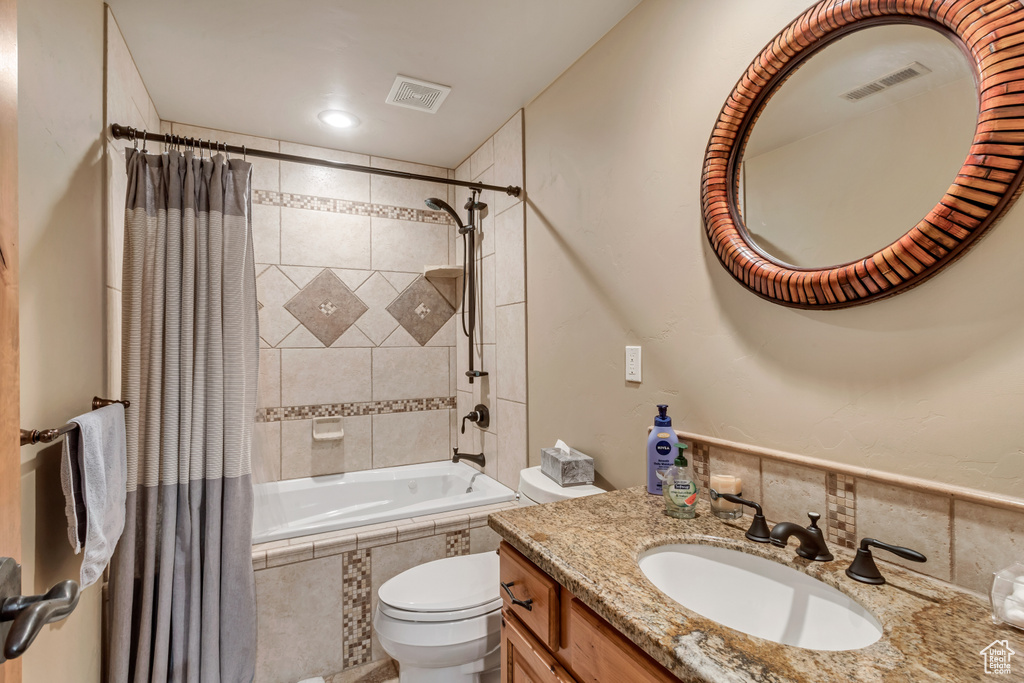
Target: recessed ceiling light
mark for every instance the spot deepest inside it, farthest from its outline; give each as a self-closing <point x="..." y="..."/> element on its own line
<point x="338" y="119"/>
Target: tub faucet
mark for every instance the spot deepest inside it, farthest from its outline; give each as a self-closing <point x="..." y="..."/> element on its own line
<point x="812" y="541"/>
<point x="477" y="458"/>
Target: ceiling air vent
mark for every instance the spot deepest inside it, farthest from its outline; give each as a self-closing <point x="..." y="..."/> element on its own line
<point x="416" y="94"/>
<point x="895" y="78"/>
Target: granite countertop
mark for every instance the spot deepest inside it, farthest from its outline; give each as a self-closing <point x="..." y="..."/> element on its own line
<point x="933" y="631"/>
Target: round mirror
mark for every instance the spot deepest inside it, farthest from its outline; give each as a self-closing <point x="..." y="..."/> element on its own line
<point x="873" y="204"/>
<point x="882" y="117"/>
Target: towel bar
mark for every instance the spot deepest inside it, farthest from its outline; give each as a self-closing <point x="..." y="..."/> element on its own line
<point x="31" y="436"/>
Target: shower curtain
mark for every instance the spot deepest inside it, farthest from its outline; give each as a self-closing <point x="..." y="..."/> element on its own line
<point x="182" y="599"/>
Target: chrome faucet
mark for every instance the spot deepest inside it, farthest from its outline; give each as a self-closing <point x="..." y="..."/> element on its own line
<point x="812" y="541"/>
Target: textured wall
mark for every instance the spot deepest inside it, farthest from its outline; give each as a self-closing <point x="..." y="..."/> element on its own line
<point x="927" y="384"/>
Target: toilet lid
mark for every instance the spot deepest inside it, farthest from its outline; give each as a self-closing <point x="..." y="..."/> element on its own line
<point x="539" y="488"/>
<point x="453" y="584"/>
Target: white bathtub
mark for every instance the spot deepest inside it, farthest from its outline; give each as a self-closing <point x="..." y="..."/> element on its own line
<point x="299" y="507"/>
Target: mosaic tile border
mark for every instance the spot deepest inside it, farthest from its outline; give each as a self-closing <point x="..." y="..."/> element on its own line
<point x="702" y="466"/>
<point x="314" y="203"/>
<point x="357" y="624"/>
<point x="456" y="543"/>
<point x="407" y="405"/>
<point x="841" y="498"/>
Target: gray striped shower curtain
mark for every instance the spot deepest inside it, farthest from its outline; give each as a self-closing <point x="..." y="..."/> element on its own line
<point x="182" y="599"/>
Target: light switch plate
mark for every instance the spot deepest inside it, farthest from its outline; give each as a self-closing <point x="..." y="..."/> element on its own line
<point x="633" y="364"/>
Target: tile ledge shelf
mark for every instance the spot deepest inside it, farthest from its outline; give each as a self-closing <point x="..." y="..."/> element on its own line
<point x="927" y="486"/>
<point x="442" y="271"/>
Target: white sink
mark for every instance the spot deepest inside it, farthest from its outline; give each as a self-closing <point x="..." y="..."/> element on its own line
<point x="759" y="597"/>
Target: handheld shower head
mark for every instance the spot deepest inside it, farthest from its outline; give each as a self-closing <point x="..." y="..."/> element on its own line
<point x="440" y="205"/>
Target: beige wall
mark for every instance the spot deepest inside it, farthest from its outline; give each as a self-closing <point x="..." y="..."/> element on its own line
<point x="60" y="116"/>
<point x="926" y="384"/>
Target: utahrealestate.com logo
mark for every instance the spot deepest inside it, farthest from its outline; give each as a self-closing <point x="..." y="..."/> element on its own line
<point x="997" y="657"/>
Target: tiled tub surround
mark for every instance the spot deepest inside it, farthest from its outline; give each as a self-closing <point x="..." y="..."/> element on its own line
<point x="315" y="595"/>
<point x="933" y="631"/>
<point x="965" y="534"/>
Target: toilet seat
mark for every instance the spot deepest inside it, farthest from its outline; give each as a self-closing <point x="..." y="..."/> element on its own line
<point x="450" y="589"/>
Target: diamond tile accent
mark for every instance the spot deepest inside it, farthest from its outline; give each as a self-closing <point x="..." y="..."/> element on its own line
<point x="456" y="543"/>
<point x="357" y="625"/>
<point x="326" y="307"/>
<point x="841" y="513"/>
<point x="421" y="310"/>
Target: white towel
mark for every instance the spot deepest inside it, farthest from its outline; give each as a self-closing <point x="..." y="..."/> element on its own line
<point x="93" y="475"/>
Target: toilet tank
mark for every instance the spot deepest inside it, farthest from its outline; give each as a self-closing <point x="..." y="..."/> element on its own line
<point x="535" y="487"/>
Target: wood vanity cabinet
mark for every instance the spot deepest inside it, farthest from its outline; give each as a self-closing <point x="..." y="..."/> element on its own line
<point x="558" y="639"/>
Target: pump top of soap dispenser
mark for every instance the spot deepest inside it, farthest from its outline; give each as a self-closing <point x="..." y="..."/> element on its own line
<point x="680" y="458"/>
<point x="662" y="419"/>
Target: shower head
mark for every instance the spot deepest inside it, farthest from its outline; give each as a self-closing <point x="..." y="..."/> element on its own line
<point x="441" y="205"/>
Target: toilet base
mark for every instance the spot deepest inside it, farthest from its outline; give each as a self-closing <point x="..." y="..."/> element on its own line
<point x="486" y="670"/>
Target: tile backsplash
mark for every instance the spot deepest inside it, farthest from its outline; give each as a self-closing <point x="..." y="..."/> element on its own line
<point x="965" y="534"/>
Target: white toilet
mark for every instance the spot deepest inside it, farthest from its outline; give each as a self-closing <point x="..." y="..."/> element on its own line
<point x="441" y="621"/>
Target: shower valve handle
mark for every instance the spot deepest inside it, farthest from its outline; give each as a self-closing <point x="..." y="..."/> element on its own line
<point x="480" y="415"/>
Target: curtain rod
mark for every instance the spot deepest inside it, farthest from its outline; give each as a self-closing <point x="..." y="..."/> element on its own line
<point x="125" y="132"/>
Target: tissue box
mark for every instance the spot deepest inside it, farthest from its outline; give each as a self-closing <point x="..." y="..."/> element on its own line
<point x="567" y="469"/>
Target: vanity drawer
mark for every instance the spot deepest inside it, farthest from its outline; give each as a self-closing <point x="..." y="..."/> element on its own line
<point x="529" y="584"/>
<point x="524" y="659"/>
<point x="601" y="654"/>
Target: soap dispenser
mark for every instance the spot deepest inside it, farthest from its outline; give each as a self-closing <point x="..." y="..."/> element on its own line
<point x="660" y="449"/>
<point x="680" y="488"/>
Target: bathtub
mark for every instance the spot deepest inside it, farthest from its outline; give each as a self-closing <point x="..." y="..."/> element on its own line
<point x="300" y="507"/>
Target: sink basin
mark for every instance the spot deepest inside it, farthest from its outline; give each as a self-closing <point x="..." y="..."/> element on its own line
<point x="759" y="597"/>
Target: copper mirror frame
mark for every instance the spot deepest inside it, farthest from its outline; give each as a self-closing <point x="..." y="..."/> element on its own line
<point x="991" y="34"/>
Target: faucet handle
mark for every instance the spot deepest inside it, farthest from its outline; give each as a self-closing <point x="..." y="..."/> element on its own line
<point x="758" y="531"/>
<point x="814" y="517"/>
<point x="863" y="568"/>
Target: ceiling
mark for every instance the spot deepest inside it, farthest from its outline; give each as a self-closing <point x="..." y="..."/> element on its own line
<point x="810" y="102"/>
<point x="267" y="68"/>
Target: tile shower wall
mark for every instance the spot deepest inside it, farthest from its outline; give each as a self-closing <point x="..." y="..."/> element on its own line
<point x="501" y="314"/>
<point x="349" y="325"/>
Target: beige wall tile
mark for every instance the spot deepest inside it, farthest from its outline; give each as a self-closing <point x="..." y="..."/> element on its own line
<point x="914" y="519"/>
<point x="746" y="467"/>
<point x="273" y="290"/>
<point x="485" y="296"/>
<point x="390" y="561"/>
<point x="446" y="336"/>
<point x="481" y="159"/>
<point x="511" y="353"/>
<point x="453" y="362"/>
<point x="301" y="456"/>
<point x="485" y="224"/>
<point x="118" y="191"/>
<point x="408" y="438"/>
<point x="266" y="451"/>
<point x="450" y="521"/>
<point x="270" y="378"/>
<point x="377" y="324"/>
<point x="325" y="182"/>
<point x="302" y="338"/>
<point x="484" y="358"/>
<point x="483" y="539"/>
<point x="293" y="552"/>
<point x="508" y="160"/>
<point x="410" y="530"/>
<point x="299" y="620"/>
<point x="791" y="491"/>
<point x="417" y="372"/>
<point x="985" y="540"/>
<point x="376" y="535"/>
<point x="266" y="233"/>
<point x="510" y="257"/>
<point x="316" y="376"/>
<point x="407" y="193"/>
<point x="407" y="246"/>
<point x="324" y="238"/>
<point x="512" y="456"/>
<point x="335" y="545"/>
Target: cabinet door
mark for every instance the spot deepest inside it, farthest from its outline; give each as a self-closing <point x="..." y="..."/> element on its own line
<point x="524" y="659"/>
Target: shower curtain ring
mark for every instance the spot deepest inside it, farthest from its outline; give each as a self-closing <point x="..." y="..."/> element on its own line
<point x="144" y="135"/>
<point x="135" y="138"/>
<point x="243" y="153"/>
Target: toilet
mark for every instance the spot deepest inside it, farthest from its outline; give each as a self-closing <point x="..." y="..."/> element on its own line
<point x="441" y="621"/>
